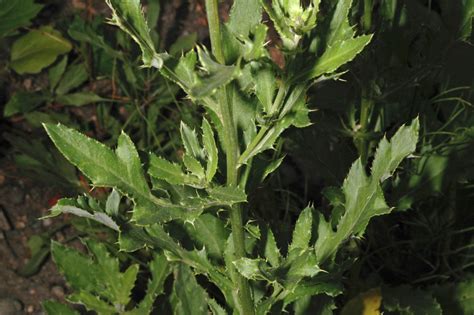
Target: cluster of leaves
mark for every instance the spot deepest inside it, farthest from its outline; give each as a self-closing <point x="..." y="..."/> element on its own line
<point x="186" y="233"/>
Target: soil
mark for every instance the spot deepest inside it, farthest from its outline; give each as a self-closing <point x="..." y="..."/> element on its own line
<point x="22" y="203"/>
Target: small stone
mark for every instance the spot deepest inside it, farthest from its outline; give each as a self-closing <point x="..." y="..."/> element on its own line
<point x="32" y="291"/>
<point x="30" y="309"/>
<point x="47" y="222"/>
<point x="9" y="306"/>
<point x="20" y="225"/>
<point x="58" y="291"/>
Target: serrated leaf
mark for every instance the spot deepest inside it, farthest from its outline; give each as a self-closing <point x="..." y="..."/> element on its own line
<point x="192" y="299"/>
<point x="92" y="303"/>
<point x="244" y="16"/>
<point x="168" y="171"/>
<point x="227" y="195"/>
<point x="265" y="86"/>
<point x="38" y="49"/>
<point x="210" y="232"/>
<point x="160" y="269"/>
<point x="210" y="147"/>
<point x="253" y="269"/>
<point x="271" y="251"/>
<point x="120" y="169"/>
<point x="339" y="54"/>
<point x="194" y="166"/>
<point x="363" y="197"/>
<point x="128" y="15"/>
<point x="16" y="13"/>
<point x="302" y="231"/>
<point x="389" y="154"/>
<point x="191" y="142"/>
<point x="56" y="308"/>
<point x="69" y="206"/>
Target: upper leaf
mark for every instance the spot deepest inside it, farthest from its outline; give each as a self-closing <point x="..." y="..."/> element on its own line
<point x="128" y="15"/>
<point x="363" y="196"/>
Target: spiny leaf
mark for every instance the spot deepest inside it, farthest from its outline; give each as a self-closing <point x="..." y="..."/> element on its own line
<point x="121" y="170"/>
<point x="210" y="232"/>
<point x="128" y="15"/>
<point x="363" y="196"/>
<point x="409" y="301"/>
<point x="160" y="269"/>
<point x="56" y="308"/>
<point x="244" y="16"/>
<point x="389" y="154"/>
<point x="210" y="147"/>
<point x="168" y="171"/>
<point x="227" y="195"/>
<point x="194" y="166"/>
<point x="271" y="251"/>
<point x="302" y="231"/>
<point x="191" y="142"/>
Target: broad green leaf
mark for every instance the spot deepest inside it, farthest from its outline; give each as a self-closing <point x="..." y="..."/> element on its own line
<point x="302" y="231"/>
<point x="389" y="154"/>
<point x="120" y="169"/>
<point x="37" y="50"/>
<point x="303" y="265"/>
<point x="271" y="251"/>
<point x="244" y="16"/>
<point x="210" y="148"/>
<point x="192" y="299"/>
<point x="56" y="72"/>
<point x="56" y="308"/>
<point x="16" y="13"/>
<point x="227" y="195"/>
<point x="74" y="76"/>
<point x="23" y="102"/>
<point x="128" y="15"/>
<point x="363" y="196"/>
<point x="408" y="301"/>
<point x="79" y="99"/>
<point x="191" y="142"/>
<point x="210" y="232"/>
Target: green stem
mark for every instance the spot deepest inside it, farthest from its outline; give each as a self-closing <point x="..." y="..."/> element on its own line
<point x="244" y="298"/>
<point x="367" y="17"/>
<point x="366" y="104"/>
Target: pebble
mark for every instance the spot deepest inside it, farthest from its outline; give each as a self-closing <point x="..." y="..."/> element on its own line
<point x="9" y="306"/>
<point x="58" y="291"/>
<point x="30" y="309"/>
<point x="47" y="222"/>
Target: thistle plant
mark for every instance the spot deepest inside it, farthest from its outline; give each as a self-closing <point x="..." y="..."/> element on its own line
<point x="192" y="219"/>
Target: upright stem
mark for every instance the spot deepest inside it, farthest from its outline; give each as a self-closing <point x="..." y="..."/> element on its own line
<point x="244" y="298"/>
<point x="366" y="104"/>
